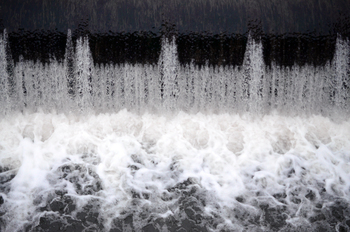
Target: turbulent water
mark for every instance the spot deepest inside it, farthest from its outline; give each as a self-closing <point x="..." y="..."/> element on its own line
<point x="87" y="147"/>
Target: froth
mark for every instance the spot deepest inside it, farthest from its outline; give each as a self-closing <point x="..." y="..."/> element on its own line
<point x="122" y="164"/>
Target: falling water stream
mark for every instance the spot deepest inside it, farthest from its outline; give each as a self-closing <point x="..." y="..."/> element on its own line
<point x="170" y="147"/>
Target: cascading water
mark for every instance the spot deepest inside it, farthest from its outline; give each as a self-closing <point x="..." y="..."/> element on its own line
<point x="167" y="147"/>
<point x="82" y="86"/>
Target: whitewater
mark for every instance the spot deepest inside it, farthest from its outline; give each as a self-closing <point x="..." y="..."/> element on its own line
<point x="166" y="147"/>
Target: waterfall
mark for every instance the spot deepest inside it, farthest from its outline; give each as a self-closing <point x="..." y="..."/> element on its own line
<point x="254" y="77"/>
<point x="172" y="147"/>
<point x="3" y="72"/>
<point x="79" y="85"/>
<point x="168" y="65"/>
<point x="341" y="77"/>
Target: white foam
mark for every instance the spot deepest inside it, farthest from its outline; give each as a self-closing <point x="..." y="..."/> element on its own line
<point x="225" y="156"/>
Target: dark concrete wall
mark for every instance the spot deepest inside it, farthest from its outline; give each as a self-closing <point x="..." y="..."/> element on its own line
<point x="215" y="16"/>
<point x="214" y="31"/>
